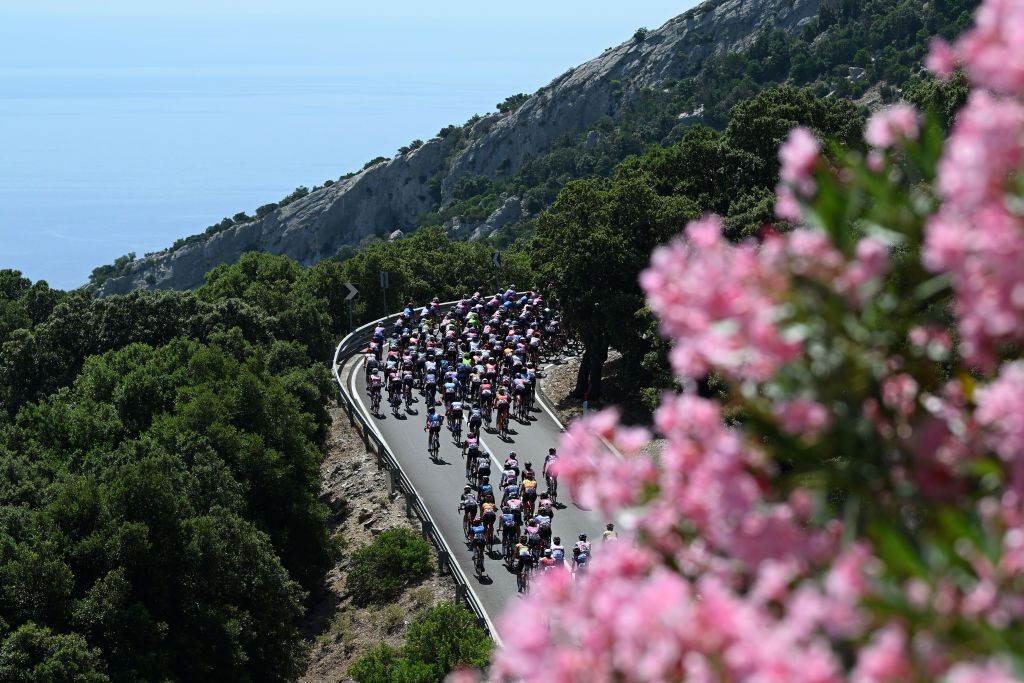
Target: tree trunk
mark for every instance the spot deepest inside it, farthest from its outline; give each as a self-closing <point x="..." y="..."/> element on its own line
<point x="583" y="376"/>
<point x="599" y="354"/>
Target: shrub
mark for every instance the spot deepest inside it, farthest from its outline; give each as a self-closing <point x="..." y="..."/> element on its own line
<point x="380" y="570"/>
<point x="447" y="637"/>
<point x="440" y="640"/>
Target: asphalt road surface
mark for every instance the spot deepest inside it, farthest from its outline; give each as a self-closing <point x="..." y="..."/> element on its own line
<point x="439" y="484"/>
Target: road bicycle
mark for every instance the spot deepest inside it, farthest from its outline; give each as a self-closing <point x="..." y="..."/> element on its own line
<point x="435" y="444"/>
<point x="503" y="424"/>
<point x="408" y="395"/>
<point x="456" y="428"/>
<point x="552" y="482"/>
<point x="523" y="580"/>
<point x="375" y="402"/>
<point x="478" y="561"/>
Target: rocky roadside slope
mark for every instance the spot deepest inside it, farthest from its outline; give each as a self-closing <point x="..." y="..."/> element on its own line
<point x="388" y="196"/>
<point x="337" y="631"/>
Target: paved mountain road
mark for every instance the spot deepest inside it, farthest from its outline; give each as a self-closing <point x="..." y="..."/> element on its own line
<point x="439" y="485"/>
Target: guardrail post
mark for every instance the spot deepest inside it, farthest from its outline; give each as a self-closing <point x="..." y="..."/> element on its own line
<point x="341" y="401"/>
<point x="380" y="455"/>
<point x="443" y="558"/>
<point x="408" y="504"/>
<point x="427" y="527"/>
<point x="460" y="592"/>
<point x="392" y="481"/>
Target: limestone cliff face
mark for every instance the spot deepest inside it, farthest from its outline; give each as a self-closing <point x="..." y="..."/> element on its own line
<point x="390" y="195"/>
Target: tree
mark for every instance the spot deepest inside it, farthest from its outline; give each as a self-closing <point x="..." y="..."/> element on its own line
<point x="35" y="654"/>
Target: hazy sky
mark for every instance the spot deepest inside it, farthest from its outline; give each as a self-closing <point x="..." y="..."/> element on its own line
<point x="125" y="125"/>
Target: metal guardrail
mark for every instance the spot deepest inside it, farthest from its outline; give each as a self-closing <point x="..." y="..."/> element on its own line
<point x="356" y="341"/>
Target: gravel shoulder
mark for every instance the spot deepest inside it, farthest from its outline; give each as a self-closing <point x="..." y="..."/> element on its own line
<point x="336" y="631"/>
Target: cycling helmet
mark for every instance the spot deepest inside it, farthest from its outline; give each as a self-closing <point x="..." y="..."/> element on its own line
<point x="547" y="552"/>
<point x="466" y="489"/>
<point x="512" y="454"/>
<point x="583" y="537"/>
<point x="557" y="540"/>
<point x="529" y="465"/>
<point x="610" y="527"/>
<point x="551" y="451"/>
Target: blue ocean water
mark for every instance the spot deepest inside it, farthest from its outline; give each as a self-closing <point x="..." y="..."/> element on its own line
<point x="122" y="134"/>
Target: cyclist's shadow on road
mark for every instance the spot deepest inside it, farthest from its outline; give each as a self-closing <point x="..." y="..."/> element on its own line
<point x="485" y="580"/>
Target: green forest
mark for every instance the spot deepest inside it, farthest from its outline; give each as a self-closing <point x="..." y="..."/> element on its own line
<point x="160" y="451"/>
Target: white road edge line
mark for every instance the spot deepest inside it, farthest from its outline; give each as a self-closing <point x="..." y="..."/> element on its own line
<point x="362" y="407"/>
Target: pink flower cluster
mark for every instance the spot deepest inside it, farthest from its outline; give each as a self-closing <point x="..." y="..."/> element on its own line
<point x="991" y="51"/>
<point x="976" y="237"/>
<point x="799" y="156"/>
<point x="892" y="125"/>
<point x="720" y="303"/>
<point x="1001" y="413"/>
<point x="600" y="477"/>
<point x="634" y="620"/>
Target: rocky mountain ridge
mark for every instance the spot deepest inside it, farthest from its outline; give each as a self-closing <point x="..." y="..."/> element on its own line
<point x="390" y="195"/>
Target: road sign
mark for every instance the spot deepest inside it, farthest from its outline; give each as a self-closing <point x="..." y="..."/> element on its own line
<point x="384" y="279"/>
<point x="353" y="291"/>
<point x="496" y="259"/>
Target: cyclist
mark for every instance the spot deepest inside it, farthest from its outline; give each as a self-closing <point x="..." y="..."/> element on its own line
<point x="501" y="401"/>
<point x="528" y="472"/>
<point x="476" y="418"/>
<point x="582" y="546"/>
<point x="374" y="389"/>
<point x="508" y="476"/>
<point x="477" y="540"/>
<point x="547" y="563"/>
<point x="524" y="560"/>
<point x="394" y="389"/>
<point x="533" y="538"/>
<point x="433" y="425"/>
<point x="544" y="525"/>
<point x="485" y="490"/>
<point x="519" y="390"/>
<point x="557" y="551"/>
<point x="370" y="362"/>
<point x="455" y="417"/>
<point x="511" y="463"/>
<point x="471" y="452"/>
<point x="580" y="562"/>
<point x="407" y="384"/>
<point x="610" y="534"/>
<point x="515" y="506"/>
<point x="483" y="466"/>
<point x="448" y="391"/>
<point x="545" y="506"/>
<point x="510" y="491"/>
<point x="529" y="489"/>
<point x="509" y="530"/>
<point x="468" y="506"/>
<point x="548" y="470"/>
<point x="488" y="515"/>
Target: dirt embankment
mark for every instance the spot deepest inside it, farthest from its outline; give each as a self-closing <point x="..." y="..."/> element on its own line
<point x="337" y="631"/>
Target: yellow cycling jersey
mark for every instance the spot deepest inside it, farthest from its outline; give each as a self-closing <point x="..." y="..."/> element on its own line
<point x="529" y="484"/>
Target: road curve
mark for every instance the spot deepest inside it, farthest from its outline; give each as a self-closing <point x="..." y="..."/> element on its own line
<point x="439" y="484"/>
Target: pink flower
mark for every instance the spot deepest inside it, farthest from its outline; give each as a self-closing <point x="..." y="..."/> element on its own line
<point x="799" y="155"/>
<point x="1001" y="412"/>
<point x="787" y="206"/>
<point x="802" y="416"/>
<point x="987" y="672"/>
<point x="974" y="237"/>
<point x="720" y="303"/>
<point x="892" y="125"/>
<point x="899" y="393"/>
<point x="870" y="264"/>
<point x="991" y="50"/>
<point x="941" y="59"/>
<point x="884" y="660"/>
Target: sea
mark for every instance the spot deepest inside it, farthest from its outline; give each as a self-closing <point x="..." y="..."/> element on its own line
<point x="116" y="138"/>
